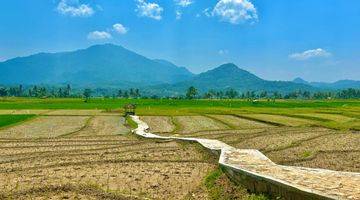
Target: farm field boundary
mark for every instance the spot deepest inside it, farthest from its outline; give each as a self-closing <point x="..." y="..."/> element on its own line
<point x="260" y="175"/>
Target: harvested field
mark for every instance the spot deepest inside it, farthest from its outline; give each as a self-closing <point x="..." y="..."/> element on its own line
<point x="332" y="117"/>
<point x="279" y="138"/>
<point x="103" y="125"/>
<point x="299" y="146"/>
<point x="338" y="151"/>
<point x="159" y="124"/>
<point x="279" y="119"/>
<point x="45" y="127"/>
<point x="23" y="112"/>
<point x="80" y="112"/>
<point x="161" y="170"/>
<point x="190" y="124"/>
<point x="97" y="161"/>
<point x="238" y="122"/>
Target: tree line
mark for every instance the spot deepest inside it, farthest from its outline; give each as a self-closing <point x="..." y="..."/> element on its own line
<point x="36" y="91"/>
<point x="351" y="93"/>
<point x="191" y="93"/>
<point x="65" y="92"/>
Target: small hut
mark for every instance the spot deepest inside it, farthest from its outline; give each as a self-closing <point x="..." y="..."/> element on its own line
<point x="129" y="109"/>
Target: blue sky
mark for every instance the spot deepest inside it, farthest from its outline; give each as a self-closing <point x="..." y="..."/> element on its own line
<point x="318" y="40"/>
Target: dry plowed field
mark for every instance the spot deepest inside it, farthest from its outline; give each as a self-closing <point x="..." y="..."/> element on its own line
<point x="190" y="124"/>
<point x="159" y="124"/>
<point x="90" y="157"/>
<point x="279" y="119"/>
<point x="285" y="140"/>
<point x="45" y="127"/>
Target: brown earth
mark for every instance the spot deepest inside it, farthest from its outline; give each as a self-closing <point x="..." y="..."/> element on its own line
<point x="306" y="146"/>
<point x="100" y="165"/>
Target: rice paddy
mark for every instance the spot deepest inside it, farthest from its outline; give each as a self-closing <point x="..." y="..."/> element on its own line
<point x="95" y="157"/>
<point x="87" y="151"/>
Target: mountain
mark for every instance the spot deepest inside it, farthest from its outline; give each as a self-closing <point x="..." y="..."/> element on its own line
<point x="300" y="80"/>
<point x="342" y="84"/>
<point x="101" y="65"/>
<point x="230" y="76"/>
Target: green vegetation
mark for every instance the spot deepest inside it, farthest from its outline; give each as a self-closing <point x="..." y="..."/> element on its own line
<point x="307" y="154"/>
<point x="220" y="187"/>
<point x="319" y="112"/>
<point x="7" y="120"/>
<point x="163" y="104"/>
<point x="131" y="123"/>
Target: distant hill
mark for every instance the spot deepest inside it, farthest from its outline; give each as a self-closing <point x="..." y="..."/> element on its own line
<point x="230" y="76"/>
<point x="342" y="84"/>
<point x="99" y="65"/>
<point x="112" y="67"/>
<point x="300" y="80"/>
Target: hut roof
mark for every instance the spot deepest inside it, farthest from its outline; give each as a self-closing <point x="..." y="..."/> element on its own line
<point x="129" y="106"/>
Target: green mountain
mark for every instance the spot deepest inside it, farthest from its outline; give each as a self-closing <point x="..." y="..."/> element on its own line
<point x="341" y="84"/>
<point x="99" y="65"/>
<point x="230" y="76"/>
<point x="112" y="66"/>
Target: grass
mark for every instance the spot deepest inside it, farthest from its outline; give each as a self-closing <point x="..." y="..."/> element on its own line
<point x="165" y="104"/>
<point x="219" y="186"/>
<point x="297" y="109"/>
<point x="131" y="122"/>
<point x="8" y="120"/>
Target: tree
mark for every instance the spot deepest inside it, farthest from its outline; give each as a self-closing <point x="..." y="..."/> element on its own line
<point x="87" y="94"/>
<point x="231" y="93"/>
<point x="68" y="91"/>
<point x="3" y="92"/>
<point x="191" y="92"/>
<point x="60" y="92"/>
<point x="120" y="93"/>
<point x="219" y="94"/>
<point x="137" y="93"/>
<point x="306" y="94"/>
<point x="132" y="93"/>
<point x="20" y="91"/>
<point x="126" y="94"/>
<point x="263" y="94"/>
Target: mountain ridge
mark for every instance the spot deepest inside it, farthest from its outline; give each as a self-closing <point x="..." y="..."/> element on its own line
<point x="230" y="76"/>
<point x="340" y="84"/>
<point x="98" y="64"/>
<point x="113" y="66"/>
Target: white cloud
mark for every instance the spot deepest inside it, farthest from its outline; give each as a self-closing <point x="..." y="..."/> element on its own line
<point x="178" y="14"/>
<point x="223" y="52"/>
<point x="74" y="8"/>
<point x="183" y="3"/>
<point x="119" y="28"/>
<point x="207" y="12"/>
<point x="99" y="35"/>
<point x="235" y="11"/>
<point x="151" y="10"/>
<point x="313" y="53"/>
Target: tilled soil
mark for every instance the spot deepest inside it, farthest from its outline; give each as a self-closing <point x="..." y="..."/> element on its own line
<point x="279" y="119"/>
<point x="190" y="124"/>
<point x="304" y="146"/>
<point x="102" y="165"/>
<point x="45" y="127"/>
<point x="159" y="124"/>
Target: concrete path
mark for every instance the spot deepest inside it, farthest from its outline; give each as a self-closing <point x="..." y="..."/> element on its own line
<point x="260" y="174"/>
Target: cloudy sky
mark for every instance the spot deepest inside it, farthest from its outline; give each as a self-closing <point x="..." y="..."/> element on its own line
<point x="317" y="40"/>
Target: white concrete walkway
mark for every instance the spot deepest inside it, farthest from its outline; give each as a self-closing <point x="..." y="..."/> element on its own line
<point x="317" y="183"/>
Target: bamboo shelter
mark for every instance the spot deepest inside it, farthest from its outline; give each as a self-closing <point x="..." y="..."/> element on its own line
<point x="129" y="109"/>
